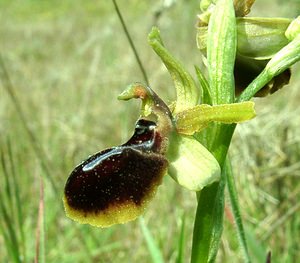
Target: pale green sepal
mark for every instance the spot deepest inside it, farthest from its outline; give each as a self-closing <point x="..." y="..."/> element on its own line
<point x="198" y="118"/>
<point x="191" y="164"/>
<point x="186" y="89"/>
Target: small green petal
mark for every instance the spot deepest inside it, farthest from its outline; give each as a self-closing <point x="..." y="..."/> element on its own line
<point x="152" y="104"/>
<point x="136" y="91"/>
<point x="197" y="118"/>
<point x="191" y="164"/>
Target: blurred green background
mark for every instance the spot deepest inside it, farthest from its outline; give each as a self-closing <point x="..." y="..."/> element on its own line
<point x="67" y="62"/>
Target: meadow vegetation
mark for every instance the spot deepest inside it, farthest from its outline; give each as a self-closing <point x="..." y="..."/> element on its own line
<point x="67" y="61"/>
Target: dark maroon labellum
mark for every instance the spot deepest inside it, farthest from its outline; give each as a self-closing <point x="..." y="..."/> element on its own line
<point x="122" y="175"/>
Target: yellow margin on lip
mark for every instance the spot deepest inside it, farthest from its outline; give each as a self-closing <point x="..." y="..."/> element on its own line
<point x="112" y="215"/>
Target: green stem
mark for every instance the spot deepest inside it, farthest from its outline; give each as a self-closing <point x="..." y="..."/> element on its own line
<point x="208" y="224"/>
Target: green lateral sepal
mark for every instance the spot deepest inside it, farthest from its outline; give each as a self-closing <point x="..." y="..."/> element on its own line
<point x="198" y="118"/>
<point x="191" y="164"/>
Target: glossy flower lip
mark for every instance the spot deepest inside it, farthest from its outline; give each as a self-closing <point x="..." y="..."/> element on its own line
<point x="115" y="191"/>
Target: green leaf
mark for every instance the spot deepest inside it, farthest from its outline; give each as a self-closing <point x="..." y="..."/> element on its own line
<point x="205" y="96"/>
<point x="197" y="118"/>
<point x="186" y="89"/>
<point x="221" y="49"/>
<point x="40" y="240"/>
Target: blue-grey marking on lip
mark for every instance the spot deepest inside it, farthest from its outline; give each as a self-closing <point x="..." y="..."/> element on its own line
<point x="91" y="165"/>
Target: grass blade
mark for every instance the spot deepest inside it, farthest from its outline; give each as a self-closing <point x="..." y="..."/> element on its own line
<point x="236" y="211"/>
<point x="181" y="243"/>
<point x="205" y="96"/>
<point x="136" y="55"/>
<point x="6" y="239"/>
<point x="40" y="233"/>
<point x="17" y="199"/>
<point x="152" y="247"/>
<point x="218" y="215"/>
<point x="11" y="239"/>
<point x="38" y="150"/>
<point x="8" y="192"/>
<point x="7" y="214"/>
<point x="256" y="248"/>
